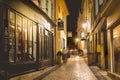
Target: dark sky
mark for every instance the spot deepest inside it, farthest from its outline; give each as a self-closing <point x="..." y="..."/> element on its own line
<point x="74" y="8"/>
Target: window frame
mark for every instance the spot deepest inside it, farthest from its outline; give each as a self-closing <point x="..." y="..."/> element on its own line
<point x="14" y="54"/>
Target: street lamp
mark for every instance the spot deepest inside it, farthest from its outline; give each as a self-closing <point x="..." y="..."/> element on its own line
<point x="76" y="40"/>
<point x="84" y="25"/>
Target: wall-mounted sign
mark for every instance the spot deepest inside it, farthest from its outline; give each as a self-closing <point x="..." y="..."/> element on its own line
<point x="60" y="24"/>
<point x="69" y="34"/>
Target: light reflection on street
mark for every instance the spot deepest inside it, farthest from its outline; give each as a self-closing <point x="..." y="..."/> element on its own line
<point x="74" y="58"/>
<point x="77" y="58"/>
<point x="74" y="69"/>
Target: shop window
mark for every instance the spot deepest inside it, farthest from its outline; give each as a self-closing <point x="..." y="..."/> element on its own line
<point x="34" y="40"/>
<point x="24" y="39"/>
<point x="116" y="48"/>
<point x="30" y="41"/>
<point x="18" y="38"/>
<point x="11" y="36"/>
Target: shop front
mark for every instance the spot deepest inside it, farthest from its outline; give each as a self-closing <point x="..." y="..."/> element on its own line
<point x="116" y="49"/>
<point x="26" y="40"/>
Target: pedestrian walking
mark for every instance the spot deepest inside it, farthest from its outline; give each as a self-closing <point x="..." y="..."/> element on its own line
<point x="59" y="57"/>
<point x="64" y="56"/>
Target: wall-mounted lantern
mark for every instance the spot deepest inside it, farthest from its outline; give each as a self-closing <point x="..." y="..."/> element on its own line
<point x="84" y="25"/>
<point x="60" y="24"/>
<point x="82" y="36"/>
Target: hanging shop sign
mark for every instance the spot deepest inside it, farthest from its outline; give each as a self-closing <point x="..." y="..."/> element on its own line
<point x="60" y="24"/>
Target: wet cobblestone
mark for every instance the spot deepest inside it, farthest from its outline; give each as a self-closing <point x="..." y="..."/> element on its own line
<point x="74" y="69"/>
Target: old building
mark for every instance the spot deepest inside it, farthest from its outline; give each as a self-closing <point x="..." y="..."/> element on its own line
<point x="113" y="38"/>
<point x="84" y="25"/>
<point x="102" y="39"/>
<point x="26" y="35"/>
<point x="61" y="28"/>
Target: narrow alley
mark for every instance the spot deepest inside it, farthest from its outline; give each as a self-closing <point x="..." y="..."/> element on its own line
<point x="37" y="37"/>
<point x="75" y="69"/>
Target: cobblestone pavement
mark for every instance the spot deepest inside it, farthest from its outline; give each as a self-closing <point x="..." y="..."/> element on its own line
<point x="74" y="69"/>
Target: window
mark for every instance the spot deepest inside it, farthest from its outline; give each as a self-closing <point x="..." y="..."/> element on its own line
<point x="96" y="7"/>
<point x="25" y="38"/>
<point x="30" y="32"/>
<point x="116" y="48"/>
<point x="34" y="40"/>
<point x="50" y="45"/>
<point x="18" y="37"/>
<point x="22" y="41"/>
<point x="11" y="36"/>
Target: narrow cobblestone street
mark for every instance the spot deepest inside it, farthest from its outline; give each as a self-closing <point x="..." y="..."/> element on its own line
<point x="74" y="69"/>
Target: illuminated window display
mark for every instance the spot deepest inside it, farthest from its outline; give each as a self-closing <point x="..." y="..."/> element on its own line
<point x="19" y="49"/>
<point x="11" y="37"/>
<point x="34" y="40"/>
<point x="24" y="37"/>
<point x="22" y="41"/>
<point x="116" y="46"/>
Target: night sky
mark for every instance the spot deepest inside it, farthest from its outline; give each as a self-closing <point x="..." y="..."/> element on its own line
<point x="74" y="8"/>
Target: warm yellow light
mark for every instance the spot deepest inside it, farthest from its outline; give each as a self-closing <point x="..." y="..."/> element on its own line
<point x="77" y="58"/>
<point x="77" y="39"/>
<point x="84" y="25"/>
<point x="82" y="35"/>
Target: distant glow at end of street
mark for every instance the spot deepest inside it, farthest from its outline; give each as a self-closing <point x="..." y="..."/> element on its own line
<point x="77" y="58"/>
<point x="77" y="39"/>
<point x="84" y="25"/>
